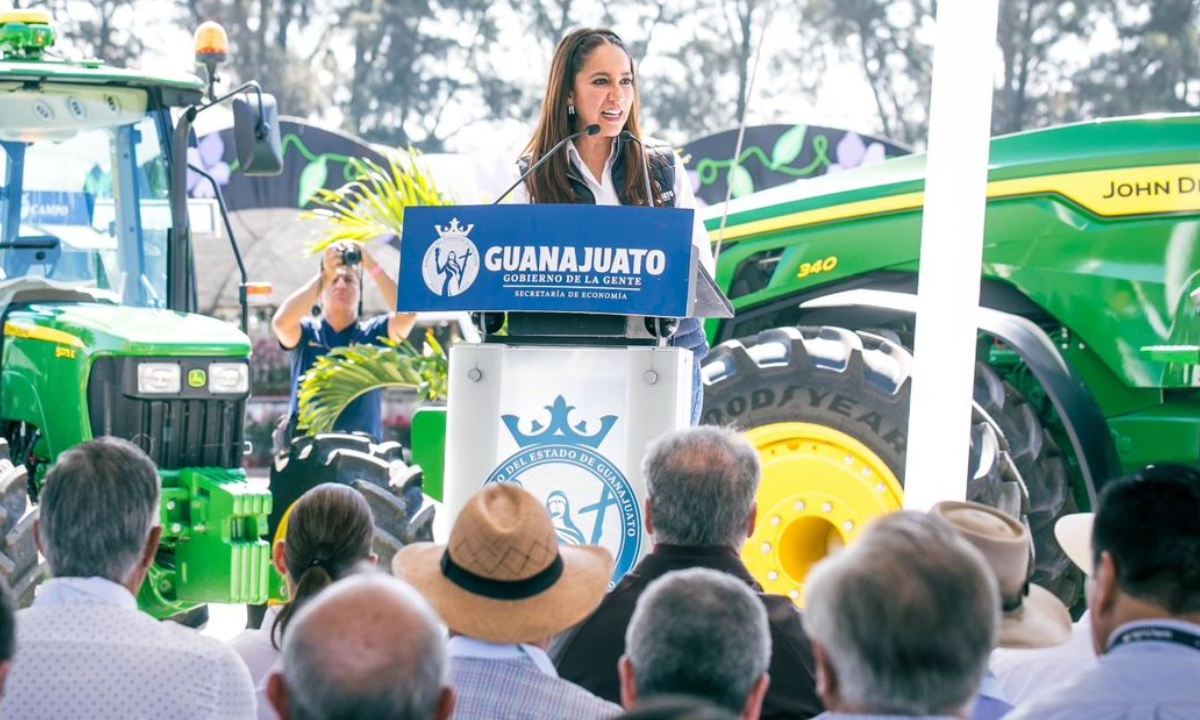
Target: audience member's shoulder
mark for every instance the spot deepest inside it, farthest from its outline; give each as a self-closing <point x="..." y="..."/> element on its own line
<point x="1050" y="707"/>
<point x="1070" y="699"/>
<point x="191" y="642"/>
<point x="780" y="608"/>
<point x="580" y="701"/>
<point x="784" y="617"/>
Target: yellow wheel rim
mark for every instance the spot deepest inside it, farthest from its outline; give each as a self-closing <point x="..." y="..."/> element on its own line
<point x="820" y="486"/>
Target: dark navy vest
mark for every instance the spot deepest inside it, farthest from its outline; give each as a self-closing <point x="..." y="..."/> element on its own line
<point x="690" y="333"/>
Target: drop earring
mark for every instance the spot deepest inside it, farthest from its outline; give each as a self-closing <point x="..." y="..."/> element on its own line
<point x="570" y="109"/>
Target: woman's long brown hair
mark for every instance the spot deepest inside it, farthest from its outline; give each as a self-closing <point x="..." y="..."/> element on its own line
<point x="329" y="531"/>
<point x="550" y="184"/>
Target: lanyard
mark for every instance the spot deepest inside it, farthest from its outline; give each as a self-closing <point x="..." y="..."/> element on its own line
<point x="1157" y="633"/>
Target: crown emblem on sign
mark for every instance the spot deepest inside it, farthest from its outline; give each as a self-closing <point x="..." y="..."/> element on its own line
<point x="454" y="229"/>
<point x="559" y="429"/>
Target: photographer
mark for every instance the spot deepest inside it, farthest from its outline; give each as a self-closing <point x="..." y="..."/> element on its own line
<point x="310" y="333"/>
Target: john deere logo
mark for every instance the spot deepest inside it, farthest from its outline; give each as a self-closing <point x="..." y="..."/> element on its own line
<point x="197" y="378"/>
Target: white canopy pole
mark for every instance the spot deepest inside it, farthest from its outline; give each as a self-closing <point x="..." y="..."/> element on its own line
<point x="960" y="116"/>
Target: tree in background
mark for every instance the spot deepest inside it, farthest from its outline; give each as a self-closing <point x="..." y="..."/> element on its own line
<point x="1154" y="67"/>
<point x="100" y="29"/>
<point x="413" y="61"/>
<point x="1035" y="84"/>
<point x="890" y="41"/>
<point x="418" y="72"/>
<point x="265" y="45"/>
<point x="696" y="80"/>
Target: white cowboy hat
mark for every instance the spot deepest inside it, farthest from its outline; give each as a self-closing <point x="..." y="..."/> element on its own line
<point x="1033" y="616"/>
<point x="1074" y="535"/>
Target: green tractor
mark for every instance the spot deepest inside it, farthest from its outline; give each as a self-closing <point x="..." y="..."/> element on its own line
<point x="97" y="295"/>
<point x="1089" y="334"/>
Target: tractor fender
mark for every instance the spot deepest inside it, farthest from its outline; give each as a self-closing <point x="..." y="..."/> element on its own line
<point x="1085" y="424"/>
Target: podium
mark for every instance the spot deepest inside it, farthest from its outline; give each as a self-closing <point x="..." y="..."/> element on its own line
<point x="574" y="377"/>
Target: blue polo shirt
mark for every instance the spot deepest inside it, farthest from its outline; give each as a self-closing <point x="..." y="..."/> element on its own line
<point x="364" y="413"/>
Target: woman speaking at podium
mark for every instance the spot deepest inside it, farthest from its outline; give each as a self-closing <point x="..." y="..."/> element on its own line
<point x="592" y="85"/>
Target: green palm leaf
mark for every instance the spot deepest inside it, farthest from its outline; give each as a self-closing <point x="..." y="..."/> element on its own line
<point x="373" y="205"/>
<point x="346" y="373"/>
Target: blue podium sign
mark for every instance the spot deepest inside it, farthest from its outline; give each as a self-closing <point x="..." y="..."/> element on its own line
<point x="547" y="258"/>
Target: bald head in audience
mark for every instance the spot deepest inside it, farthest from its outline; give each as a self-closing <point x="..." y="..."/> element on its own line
<point x="367" y="647"/>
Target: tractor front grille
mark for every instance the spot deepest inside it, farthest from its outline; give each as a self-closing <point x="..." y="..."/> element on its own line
<point x="193" y="429"/>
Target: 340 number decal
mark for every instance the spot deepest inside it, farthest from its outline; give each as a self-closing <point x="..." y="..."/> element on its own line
<point x="816" y="266"/>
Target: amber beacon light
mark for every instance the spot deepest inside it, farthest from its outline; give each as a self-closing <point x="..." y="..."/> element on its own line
<point x="211" y="43"/>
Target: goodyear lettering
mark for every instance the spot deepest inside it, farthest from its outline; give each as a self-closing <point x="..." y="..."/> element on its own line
<point x="845" y="406"/>
<point x="871" y="420"/>
<point x="841" y="405"/>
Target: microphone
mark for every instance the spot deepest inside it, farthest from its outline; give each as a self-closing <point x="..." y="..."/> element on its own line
<point x="645" y="164"/>
<point x="590" y="130"/>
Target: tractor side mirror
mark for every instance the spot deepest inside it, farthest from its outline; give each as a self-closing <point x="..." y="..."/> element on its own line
<point x="256" y="135"/>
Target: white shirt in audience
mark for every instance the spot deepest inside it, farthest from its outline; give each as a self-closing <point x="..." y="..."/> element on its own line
<point x="870" y="717"/>
<point x="261" y="657"/>
<point x="1024" y="673"/>
<point x="255" y="648"/>
<point x="1145" y="680"/>
<point x="266" y="711"/>
<point x="84" y="650"/>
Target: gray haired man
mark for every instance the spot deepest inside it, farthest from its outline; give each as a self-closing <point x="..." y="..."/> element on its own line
<point x="368" y="647"/>
<point x="85" y="650"/>
<point x="700" y="488"/>
<point x="701" y="633"/>
<point x="902" y="621"/>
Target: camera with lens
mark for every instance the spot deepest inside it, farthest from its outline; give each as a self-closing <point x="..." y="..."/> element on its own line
<point x="349" y="254"/>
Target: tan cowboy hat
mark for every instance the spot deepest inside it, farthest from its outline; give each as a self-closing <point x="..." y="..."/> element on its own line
<point x="503" y="577"/>
<point x="1074" y="535"/>
<point x="1033" y="616"/>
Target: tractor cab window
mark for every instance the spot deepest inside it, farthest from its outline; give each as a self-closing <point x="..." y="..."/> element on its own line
<point x="84" y="192"/>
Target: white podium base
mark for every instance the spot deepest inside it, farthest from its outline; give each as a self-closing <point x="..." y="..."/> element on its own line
<point x="568" y="424"/>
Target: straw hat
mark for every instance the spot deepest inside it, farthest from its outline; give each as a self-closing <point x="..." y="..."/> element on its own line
<point x="503" y="577"/>
<point x="1033" y="616"/>
<point x="1074" y="535"/>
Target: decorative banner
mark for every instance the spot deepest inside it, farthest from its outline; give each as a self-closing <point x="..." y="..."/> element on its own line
<point x="547" y="258"/>
<point x="313" y="158"/>
<point x="777" y="154"/>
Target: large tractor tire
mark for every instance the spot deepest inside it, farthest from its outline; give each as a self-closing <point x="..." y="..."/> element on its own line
<point x="19" y="563"/>
<point x="827" y="409"/>
<point x="378" y="470"/>
<point x="1045" y="473"/>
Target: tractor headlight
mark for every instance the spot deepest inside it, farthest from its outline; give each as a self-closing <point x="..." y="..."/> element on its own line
<point x="158" y="378"/>
<point x="228" y="378"/>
